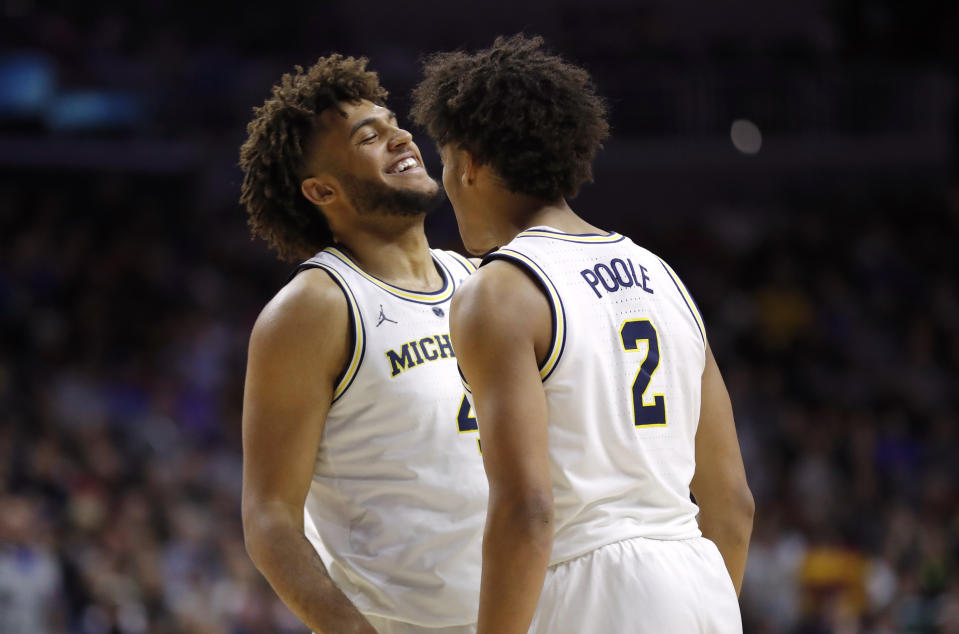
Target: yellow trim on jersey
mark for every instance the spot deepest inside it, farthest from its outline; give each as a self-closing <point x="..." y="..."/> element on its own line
<point x="466" y="385"/>
<point x="693" y="308"/>
<point x="359" y="339"/>
<point x="571" y="237"/>
<point x="559" y="334"/>
<point x="463" y="260"/>
<point x="433" y="298"/>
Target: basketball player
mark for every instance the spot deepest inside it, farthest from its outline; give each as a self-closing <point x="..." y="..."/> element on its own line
<point x="353" y="410"/>
<point x="599" y="403"/>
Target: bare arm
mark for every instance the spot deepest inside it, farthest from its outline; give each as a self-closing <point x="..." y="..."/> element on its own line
<point x="498" y="355"/>
<point x="299" y="345"/>
<point x="725" y="503"/>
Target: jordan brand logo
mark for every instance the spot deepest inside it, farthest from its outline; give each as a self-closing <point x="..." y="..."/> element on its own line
<point x="383" y="317"/>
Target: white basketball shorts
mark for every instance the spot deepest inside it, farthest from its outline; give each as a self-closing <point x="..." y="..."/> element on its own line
<point x="389" y="626"/>
<point x="638" y="586"/>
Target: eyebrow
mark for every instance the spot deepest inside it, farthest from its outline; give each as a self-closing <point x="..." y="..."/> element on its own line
<point x="390" y="115"/>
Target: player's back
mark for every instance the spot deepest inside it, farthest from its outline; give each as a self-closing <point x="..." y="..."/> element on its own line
<point x="622" y="380"/>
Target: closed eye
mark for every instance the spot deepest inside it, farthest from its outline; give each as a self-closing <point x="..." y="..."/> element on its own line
<point x="368" y="139"/>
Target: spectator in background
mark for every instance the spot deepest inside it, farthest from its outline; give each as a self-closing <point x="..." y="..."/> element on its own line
<point x="30" y="573"/>
<point x="116" y="415"/>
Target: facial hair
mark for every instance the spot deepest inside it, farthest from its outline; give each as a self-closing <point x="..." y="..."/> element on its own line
<point x="371" y="197"/>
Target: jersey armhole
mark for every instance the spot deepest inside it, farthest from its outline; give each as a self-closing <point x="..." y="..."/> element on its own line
<point x="357" y="330"/>
<point x="462" y="261"/>
<point x="558" y="337"/>
<point x="689" y="301"/>
<point x="466" y="385"/>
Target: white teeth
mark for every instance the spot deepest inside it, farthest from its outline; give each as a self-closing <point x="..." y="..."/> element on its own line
<point x="406" y="164"/>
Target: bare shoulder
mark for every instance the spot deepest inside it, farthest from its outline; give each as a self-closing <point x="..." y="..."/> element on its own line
<point x="310" y="307"/>
<point x="501" y="306"/>
<point x="498" y="289"/>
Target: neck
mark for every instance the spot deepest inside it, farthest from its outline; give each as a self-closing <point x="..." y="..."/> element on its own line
<point x="518" y="212"/>
<point x="394" y="249"/>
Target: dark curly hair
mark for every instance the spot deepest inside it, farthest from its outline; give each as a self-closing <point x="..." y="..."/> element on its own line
<point x="278" y="139"/>
<point x="533" y="117"/>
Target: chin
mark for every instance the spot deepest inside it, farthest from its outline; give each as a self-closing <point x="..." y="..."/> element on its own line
<point x="433" y="187"/>
<point x="476" y="247"/>
<point x="475" y="239"/>
<point x="427" y="188"/>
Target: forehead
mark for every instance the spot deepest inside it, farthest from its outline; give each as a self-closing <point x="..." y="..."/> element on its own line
<point x="332" y="119"/>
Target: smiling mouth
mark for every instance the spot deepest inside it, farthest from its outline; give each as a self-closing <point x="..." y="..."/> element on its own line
<point x="404" y="165"/>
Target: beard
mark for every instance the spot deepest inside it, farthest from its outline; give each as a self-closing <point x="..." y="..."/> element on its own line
<point x="374" y="197"/>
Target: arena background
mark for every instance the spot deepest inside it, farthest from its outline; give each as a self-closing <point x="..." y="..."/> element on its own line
<point x="819" y="234"/>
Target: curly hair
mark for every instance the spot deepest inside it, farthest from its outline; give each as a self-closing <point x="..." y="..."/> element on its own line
<point x="278" y="140"/>
<point x="530" y="115"/>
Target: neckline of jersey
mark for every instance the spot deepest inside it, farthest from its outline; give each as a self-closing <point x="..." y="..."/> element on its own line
<point x="423" y="297"/>
<point x="552" y="232"/>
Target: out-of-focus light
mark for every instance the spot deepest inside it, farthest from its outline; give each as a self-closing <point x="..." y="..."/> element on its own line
<point x="27" y="83"/>
<point x="94" y="110"/>
<point x="746" y="136"/>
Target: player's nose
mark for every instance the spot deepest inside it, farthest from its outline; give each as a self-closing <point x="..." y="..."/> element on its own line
<point x="400" y="138"/>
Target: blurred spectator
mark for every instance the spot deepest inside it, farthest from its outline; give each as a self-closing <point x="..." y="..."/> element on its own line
<point x="121" y="387"/>
<point x="127" y="296"/>
<point x="30" y="573"/>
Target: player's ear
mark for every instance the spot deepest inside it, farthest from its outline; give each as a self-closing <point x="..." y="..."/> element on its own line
<point x="468" y="167"/>
<point x="317" y="191"/>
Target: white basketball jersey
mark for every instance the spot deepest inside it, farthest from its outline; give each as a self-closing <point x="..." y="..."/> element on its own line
<point x="399" y="493"/>
<point x="623" y="379"/>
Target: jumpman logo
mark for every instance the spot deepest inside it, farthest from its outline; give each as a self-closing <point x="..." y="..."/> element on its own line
<point x="383" y="317"/>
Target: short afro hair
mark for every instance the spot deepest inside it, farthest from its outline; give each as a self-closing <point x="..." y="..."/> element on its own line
<point x="272" y="157"/>
<point x="533" y="117"/>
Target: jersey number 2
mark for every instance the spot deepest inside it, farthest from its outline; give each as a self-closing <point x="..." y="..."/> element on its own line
<point x="632" y="332"/>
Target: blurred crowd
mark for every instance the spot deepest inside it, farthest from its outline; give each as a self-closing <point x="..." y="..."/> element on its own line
<point x="125" y="314"/>
<point x="121" y="373"/>
<point x="836" y="323"/>
<point x="127" y="295"/>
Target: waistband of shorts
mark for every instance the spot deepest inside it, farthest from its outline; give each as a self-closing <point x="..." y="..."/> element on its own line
<point x="634" y="538"/>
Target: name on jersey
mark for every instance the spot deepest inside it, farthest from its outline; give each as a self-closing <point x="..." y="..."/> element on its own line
<point x="417" y="352"/>
<point x="615" y="275"/>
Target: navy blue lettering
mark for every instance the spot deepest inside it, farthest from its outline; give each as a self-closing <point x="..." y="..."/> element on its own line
<point x="445" y="345"/>
<point x="400" y="362"/>
<point x="616" y="275"/>
<point x="593" y="283"/>
<point x="416" y="351"/>
<point x="612" y="279"/>
<point x="625" y="279"/>
<point x="431" y="355"/>
<point x="643" y="279"/>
